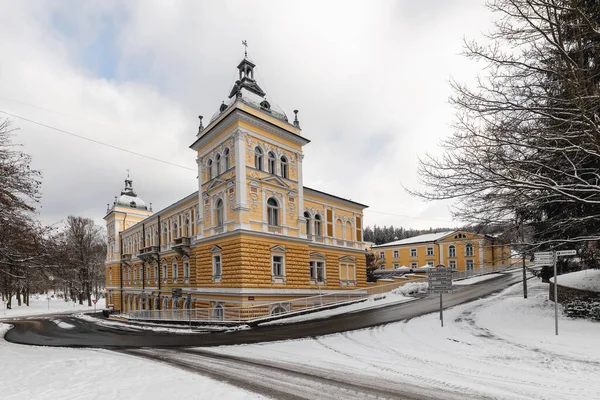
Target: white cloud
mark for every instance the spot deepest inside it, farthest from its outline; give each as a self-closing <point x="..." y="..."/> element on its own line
<point x="370" y="80"/>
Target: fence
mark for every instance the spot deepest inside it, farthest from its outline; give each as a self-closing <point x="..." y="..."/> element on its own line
<point x="257" y="312"/>
<point x="480" y="271"/>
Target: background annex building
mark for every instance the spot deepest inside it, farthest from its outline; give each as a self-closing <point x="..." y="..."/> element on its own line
<point x="461" y="250"/>
<point x="251" y="234"/>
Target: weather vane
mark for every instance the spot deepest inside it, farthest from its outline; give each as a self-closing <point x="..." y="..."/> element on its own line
<point x="245" y="43"/>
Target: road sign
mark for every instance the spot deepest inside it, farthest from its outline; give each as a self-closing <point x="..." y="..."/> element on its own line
<point x="566" y="253"/>
<point x="540" y="254"/>
<point x="94" y="301"/>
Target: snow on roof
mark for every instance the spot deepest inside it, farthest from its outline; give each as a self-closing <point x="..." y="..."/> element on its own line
<point x="588" y="279"/>
<point x="429" y="237"/>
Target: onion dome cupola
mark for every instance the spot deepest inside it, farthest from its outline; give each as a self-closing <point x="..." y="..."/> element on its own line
<point x="129" y="197"/>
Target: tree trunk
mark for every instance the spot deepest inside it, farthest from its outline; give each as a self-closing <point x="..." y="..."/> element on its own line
<point x="18" y="294"/>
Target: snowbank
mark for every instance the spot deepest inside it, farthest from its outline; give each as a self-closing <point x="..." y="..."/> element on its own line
<point x="588" y="279"/>
<point x="42" y="373"/>
<point x="39" y="304"/>
<point x="500" y="347"/>
<point x="476" y="279"/>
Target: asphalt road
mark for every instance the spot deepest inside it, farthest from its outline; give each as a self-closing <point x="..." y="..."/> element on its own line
<point x="45" y="332"/>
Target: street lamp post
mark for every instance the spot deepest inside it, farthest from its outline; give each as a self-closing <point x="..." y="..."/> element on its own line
<point x="50" y="278"/>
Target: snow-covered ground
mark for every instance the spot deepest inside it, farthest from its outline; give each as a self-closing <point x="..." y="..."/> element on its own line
<point x="42" y="373"/>
<point x="396" y="296"/>
<point x="501" y="347"/>
<point x="588" y="279"/>
<point x="39" y="304"/>
<point x="476" y="279"/>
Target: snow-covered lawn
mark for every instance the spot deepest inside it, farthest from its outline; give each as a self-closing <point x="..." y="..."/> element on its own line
<point x="42" y="373"/>
<point x="396" y="296"/>
<point x="501" y="347"/>
<point x="476" y="279"/>
<point x="588" y="279"/>
<point x="38" y="304"/>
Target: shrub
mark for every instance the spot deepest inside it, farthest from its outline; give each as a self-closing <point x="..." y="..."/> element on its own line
<point x="588" y="309"/>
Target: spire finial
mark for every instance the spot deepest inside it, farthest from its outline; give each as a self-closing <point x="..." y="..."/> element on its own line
<point x="296" y="122"/>
<point x="245" y="43"/>
<point x="127" y="173"/>
<point x="201" y="127"/>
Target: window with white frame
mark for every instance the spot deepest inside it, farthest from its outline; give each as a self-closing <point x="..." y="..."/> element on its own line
<point x="317" y="271"/>
<point x="164" y="273"/>
<point x="186" y="271"/>
<point x="469" y="250"/>
<point x="452" y="264"/>
<point x="413" y="252"/>
<point x="219" y="213"/>
<point x="271" y="162"/>
<point x="174" y="271"/>
<point x="396" y="253"/>
<point x="308" y="222"/>
<point x="148" y="273"/>
<point x="284" y="167"/>
<point x="218" y="165"/>
<point x="382" y="266"/>
<point x="413" y="265"/>
<point x="430" y="263"/>
<point x="217" y="267"/>
<point x="273" y="212"/>
<point x="209" y="166"/>
<point x="278" y="265"/>
<point x="382" y="254"/>
<point x="470" y="265"/>
<point x="452" y="251"/>
<point x="227" y="158"/>
<point x="317" y="225"/>
<point x="155" y="273"/>
<point x="218" y="312"/>
<point x="258" y="158"/>
<point x="134" y="274"/>
<point x="430" y="251"/>
<point x="396" y="266"/>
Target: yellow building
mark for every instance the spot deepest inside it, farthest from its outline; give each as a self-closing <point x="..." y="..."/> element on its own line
<point x="252" y="233"/>
<point x="461" y="250"/>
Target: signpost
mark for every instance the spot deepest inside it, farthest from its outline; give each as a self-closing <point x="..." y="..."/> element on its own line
<point x="550" y="258"/>
<point x="440" y="281"/>
<point x="95" y="301"/>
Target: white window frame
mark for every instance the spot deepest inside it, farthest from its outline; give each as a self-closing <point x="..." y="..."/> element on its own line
<point x="174" y="271"/>
<point x="469" y="250"/>
<point x="452" y="264"/>
<point x="396" y="265"/>
<point x="156" y="273"/>
<point x="413" y="252"/>
<point x="283" y="167"/>
<point x="396" y="253"/>
<point x="348" y="281"/>
<point x="472" y="265"/>
<point x="165" y="270"/>
<point x="314" y="271"/>
<point x="414" y="265"/>
<point x="217" y="267"/>
<point x="273" y="213"/>
<point x="382" y="255"/>
<point x="227" y="157"/>
<point x="382" y="266"/>
<point x="271" y="163"/>
<point x="278" y="278"/>
<point x="452" y="251"/>
<point x="430" y="251"/>
<point x="148" y="276"/>
<point x="258" y="158"/>
<point x="219" y="213"/>
<point x="186" y="272"/>
<point x="430" y="263"/>
<point x="318" y="225"/>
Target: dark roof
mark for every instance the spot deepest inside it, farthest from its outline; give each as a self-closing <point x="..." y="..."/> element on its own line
<point x="336" y="197"/>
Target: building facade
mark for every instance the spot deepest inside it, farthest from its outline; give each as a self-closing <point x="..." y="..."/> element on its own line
<point x="251" y="234"/>
<point x="461" y="250"/>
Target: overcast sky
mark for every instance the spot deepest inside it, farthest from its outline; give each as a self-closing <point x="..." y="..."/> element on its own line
<point x="370" y="80"/>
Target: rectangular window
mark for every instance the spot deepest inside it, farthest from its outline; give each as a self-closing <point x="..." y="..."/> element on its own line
<point x="430" y="263"/>
<point x="317" y="271"/>
<point x="347" y="274"/>
<point x="413" y="265"/>
<point x="452" y="264"/>
<point x="277" y="265"/>
<point x="396" y="266"/>
<point x="469" y="250"/>
<point x="413" y="252"/>
<point x="156" y="273"/>
<point x="396" y="254"/>
<point x="452" y="251"/>
<point x="430" y="251"/>
<point x="382" y="254"/>
<point x="164" y="273"/>
<point x="217" y="270"/>
<point x="382" y="266"/>
<point x="470" y="265"/>
<point x="148" y="274"/>
<point x="186" y="271"/>
<point x="174" y="272"/>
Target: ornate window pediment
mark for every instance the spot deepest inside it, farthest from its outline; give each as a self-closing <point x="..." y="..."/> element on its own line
<point x="216" y="249"/>
<point x="278" y="249"/>
<point x="214" y="183"/>
<point x="274" y="179"/>
<point x="347" y="259"/>
<point x="318" y="255"/>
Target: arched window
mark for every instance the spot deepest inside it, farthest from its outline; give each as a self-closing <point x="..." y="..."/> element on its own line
<point x="271" y="162"/>
<point x="164" y="273"/>
<point x="165" y="303"/>
<point x="284" y="167"/>
<point x="209" y="165"/>
<point x="307" y="217"/>
<point x="218" y="312"/>
<point x="218" y="164"/>
<point x="227" y="159"/>
<point x="258" y="158"/>
<point x="469" y="250"/>
<point x="273" y="212"/>
<point x="175" y="232"/>
<point x="317" y="225"/>
<point x="278" y="310"/>
<point x="452" y="251"/>
<point x="219" y="213"/>
<point x="186" y="227"/>
<point x="339" y="229"/>
<point x="348" y="231"/>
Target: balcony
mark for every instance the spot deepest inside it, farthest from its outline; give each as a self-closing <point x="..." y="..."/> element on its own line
<point x="182" y="245"/>
<point x="149" y="254"/>
<point x="126" y="258"/>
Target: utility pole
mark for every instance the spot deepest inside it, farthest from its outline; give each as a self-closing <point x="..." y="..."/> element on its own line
<point x="524" y="257"/>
